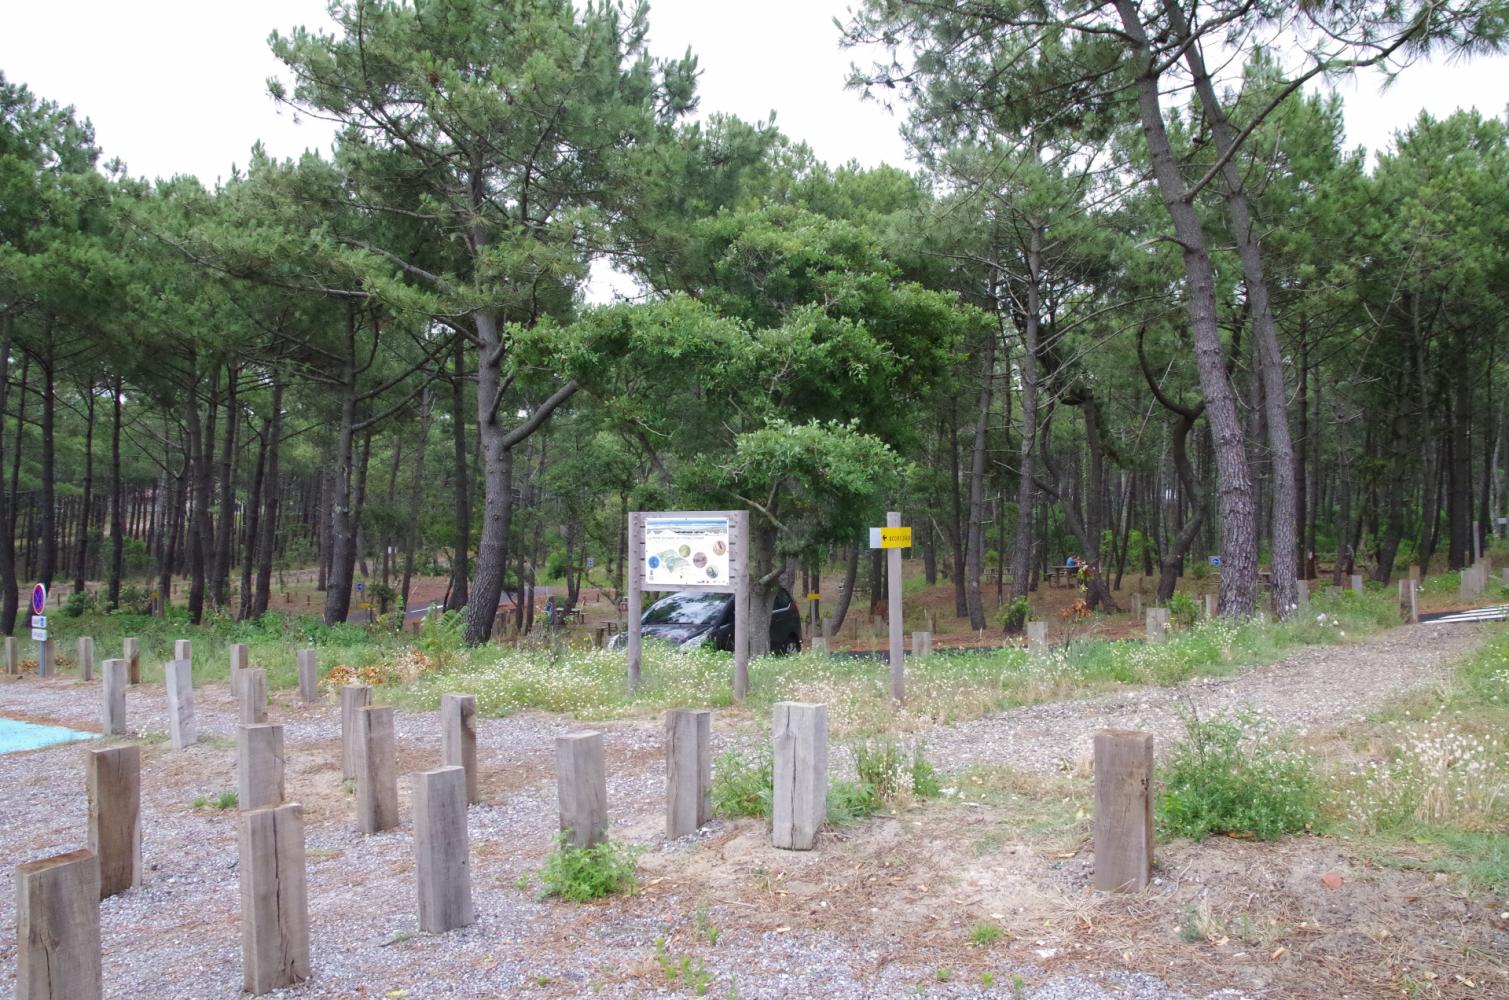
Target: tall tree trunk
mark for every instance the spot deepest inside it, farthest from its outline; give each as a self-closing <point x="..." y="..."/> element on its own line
<point x="224" y="533"/>
<point x="86" y="503"/>
<point x="416" y="491"/>
<point x="270" y="494"/>
<point x="1238" y="527"/>
<point x="957" y="530"/>
<point x="342" y="523"/>
<point x="846" y="592"/>
<point x="8" y="597"/>
<point x="117" y="515"/>
<point x="251" y="526"/>
<point x="460" y="568"/>
<point x="199" y="529"/>
<point x="975" y="528"/>
<point x="1459" y="501"/>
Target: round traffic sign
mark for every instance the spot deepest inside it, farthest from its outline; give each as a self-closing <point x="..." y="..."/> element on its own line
<point x="38" y="599"/>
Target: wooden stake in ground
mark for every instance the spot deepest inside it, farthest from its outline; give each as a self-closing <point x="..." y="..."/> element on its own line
<point x="922" y="644"/>
<point x="688" y="771"/>
<point x="86" y="658"/>
<point x="12" y="656"/>
<point x="58" y="928"/>
<point x="240" y="661"/>
<point x="376" y="771"/>
<point x="113" y="698"/>
<point x="1037" y="637"/>
<point x="1155" y="625"/>
<point x="1356" y="583"/>
<point x="251" y="695"/>
<point x="1123" y="810"/>
<point x="354" y="698"/>
<point x="274" y="905"/>
<point x="131" y="653"/>
<point x="113" y="777"/>
<point x="458" y="738"/>
<point x="183" y="649"/>
<point x="800" y="789"/>
<point x="260" y="762"/>
<point x="582" y="782"/>
<point x="309" y="676"/>
<point x="442" y="855"/>
<point x="183" y="728"/>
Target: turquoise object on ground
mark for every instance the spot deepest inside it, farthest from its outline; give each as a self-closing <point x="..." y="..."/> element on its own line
<point x="17" y="735"/>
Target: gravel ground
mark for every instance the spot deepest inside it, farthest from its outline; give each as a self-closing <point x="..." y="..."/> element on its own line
<point x="178" y="938"/>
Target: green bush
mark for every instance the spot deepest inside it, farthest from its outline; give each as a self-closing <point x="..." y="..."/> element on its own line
<point x="1200" y="569"/>
<point x="1015" y="616"/>
<point x="79" y="603"/>
<point x="742" y="787"/>
<point x="580" y="874"/>
<point x="1183" y="610"/>
<point x="1223" y="780"/>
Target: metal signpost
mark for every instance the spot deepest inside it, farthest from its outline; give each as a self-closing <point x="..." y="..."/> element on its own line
<point x="894" y="538"/>
<point x="39" y="626"/>
<point x="690" y="550"/>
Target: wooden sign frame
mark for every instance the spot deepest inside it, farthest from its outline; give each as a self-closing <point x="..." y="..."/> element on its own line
<point x="737" y="584"/>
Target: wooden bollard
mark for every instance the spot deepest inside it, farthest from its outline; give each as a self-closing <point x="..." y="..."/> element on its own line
<point x="259" y="766"/>
<point x="1356" y="583"/>
<point x="86" y="658"/>
<point x="113" y="697"/>
<point x="58" y="955"/>
<point x="1136" y="606"/>
<point x="922" y="644"/>
<point x="274" y="900"/>
<point x="354" y="698"/>
<point x="183" y="649"/>
<point x="1210" y="606"/>
<point x="688" y="771"/>
<point x="1302" y="595"/>
<point x="1413" y="608"/>
<point x="131" y="653"/>
<point x="1155" y="625"/>
<point x="582" y="784"/>
<point x="240" y="660"/>
<point x="458" y="739"/>
<point x="1037" y="637"/>
<point x="441" y="852"/>
<point x="376" y="771"/>
<point x="47" y="658"/>
<point x="113" y="777"/>
<point x="183" y="727"/>
<point x="309" y="676"/>
<point x="251" y="697"/>
<point x="800" y="792"/>
<point x="1123" y="810"/>
<point x="12" y="656"/>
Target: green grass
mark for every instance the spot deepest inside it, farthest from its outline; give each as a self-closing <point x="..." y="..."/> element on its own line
<point x="580" y="874"/>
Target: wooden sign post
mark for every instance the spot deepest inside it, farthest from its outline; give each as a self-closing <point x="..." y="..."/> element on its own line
<point x="690" y="550"/>
<point x="894" y="538"/>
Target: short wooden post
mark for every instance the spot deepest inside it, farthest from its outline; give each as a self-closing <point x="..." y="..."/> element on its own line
<point x="47" y="658"/>
<point x="354" y="697"/>
<point x="1210" y="606"/>
<point x="1302" y="594"/>
<point x="441" y="853"/>
<point x="58" y="954"/>
<point x="582" y="782"/>
<point x="1155" y="631"/>
<point x="86" y="658"/>
<point x="113" y="697"/>
<point x="800" y="793"/>
<point x="260" y="764"/>
<point x="240" y="661"/>
<point x="458" y="738"/>
<point x="1414" y="605"/>
<point x="131" y="653"/>
<point x="1414" y="573"/>
<point x="1136" y="606"/>
<point x="113" y="778"/>
<point x="12" y="656"/>
<point x="922" y="643"/>
<point x="1123" y="810"/>
<point x="1037" y="637"/>
<point x="309" y="676"/>
<point x="183" y="728"/>
<point x="274" y="901"/>
<point x="183" y="649"/>
<point x="1356" y="583"/>
<point x="376" y="771"/>
<point x="251" y="697"/>
<point x="688" y="771"/>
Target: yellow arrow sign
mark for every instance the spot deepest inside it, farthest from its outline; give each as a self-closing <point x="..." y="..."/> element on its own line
<point x="890" y="538"/>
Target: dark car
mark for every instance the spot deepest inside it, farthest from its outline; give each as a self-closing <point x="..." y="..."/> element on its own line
<point x="692" y="618"/>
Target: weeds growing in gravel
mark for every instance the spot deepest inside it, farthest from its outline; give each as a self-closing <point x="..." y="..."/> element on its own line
<point x="1235" y="775"/>
<point x="580" y="874"/>
<point x="742" y="787"/>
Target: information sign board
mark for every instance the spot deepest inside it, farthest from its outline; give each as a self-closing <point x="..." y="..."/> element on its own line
<point x="686" y="552"/>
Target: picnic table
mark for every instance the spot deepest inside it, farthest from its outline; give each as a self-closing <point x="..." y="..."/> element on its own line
<point x="1062" y="576"/>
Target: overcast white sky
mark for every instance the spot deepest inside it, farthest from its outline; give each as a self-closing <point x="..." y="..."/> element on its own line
<point x="177" y="86"/>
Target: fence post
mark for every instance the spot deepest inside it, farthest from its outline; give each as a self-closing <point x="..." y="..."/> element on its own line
<point x="58" y="928"/>
<point x="582" y="788"/>
<point x="240" y="661"/>
<point x="458" y="738"/>
<point x="260" y="761"/>
<point x="86" y="658"/>
<point x="113" y="697"/>
<point x="800" y="789"/>
<point x="1037" y="637"/>
<point x="251" y="697"/>
<point x="113" y="780"/>
<point x="131" y="653"/>
<point x="274" y="903"/>
<point x="1123" y="810"/>
<point x="376" y="771"/>
<point x="183" y="729"/>
<point x="309" y="676"/>
<point x="442" y="855"/>
<point x="354" y="698"/>
<point x="688" y="770"/>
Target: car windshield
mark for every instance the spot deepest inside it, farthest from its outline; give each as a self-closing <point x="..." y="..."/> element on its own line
<point x="689" y="607"/>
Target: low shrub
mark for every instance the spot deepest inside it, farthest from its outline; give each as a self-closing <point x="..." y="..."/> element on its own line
<point x="1230" y="775"/>
<point x="1015" y="616"/>
<point x="1183" y="610"/>
<point x="580" y="874"/>
<point x="743" y="787"/>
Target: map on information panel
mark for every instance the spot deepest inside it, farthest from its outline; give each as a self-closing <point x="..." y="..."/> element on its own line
<point x="685" y="552"/>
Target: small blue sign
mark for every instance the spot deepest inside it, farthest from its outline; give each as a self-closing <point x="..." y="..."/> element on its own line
<point x="361" y="586"/>
<point x="1215" y="560"/>
<point x="591" y="562"/>
<point x="654" y="562"/>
